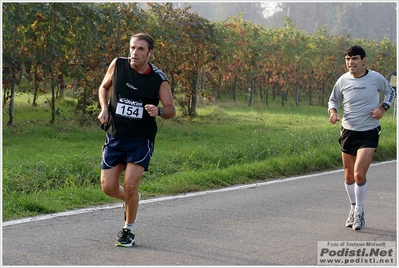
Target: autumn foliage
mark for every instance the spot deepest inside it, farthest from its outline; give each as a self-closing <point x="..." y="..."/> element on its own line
<point x="69" y="45"/>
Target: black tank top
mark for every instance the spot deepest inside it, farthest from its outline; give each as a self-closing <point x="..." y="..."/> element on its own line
<point x="131" y="91"/>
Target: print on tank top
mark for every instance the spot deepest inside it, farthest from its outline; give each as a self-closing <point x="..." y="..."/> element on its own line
<point x="129" y="108"/>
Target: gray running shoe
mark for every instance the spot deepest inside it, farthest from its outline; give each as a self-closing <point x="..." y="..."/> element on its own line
<point x="351" y="218"/>
<point x="359" y="222"/>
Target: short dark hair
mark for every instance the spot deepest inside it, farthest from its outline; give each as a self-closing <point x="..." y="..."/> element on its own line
<point x="355" y="50"/>
<point x="146" y="37"/>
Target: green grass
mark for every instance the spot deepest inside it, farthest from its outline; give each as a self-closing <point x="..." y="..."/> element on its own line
<point x="51" y="168"/>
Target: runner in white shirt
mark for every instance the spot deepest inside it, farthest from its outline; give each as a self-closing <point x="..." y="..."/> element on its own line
<point x="359" y="92"/>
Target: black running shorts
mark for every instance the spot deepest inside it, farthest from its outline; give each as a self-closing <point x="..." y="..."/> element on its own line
<point x="351" y="141"/>
<point x="118" y="151"/>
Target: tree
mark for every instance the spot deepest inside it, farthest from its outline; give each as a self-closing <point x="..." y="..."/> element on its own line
<point x="184" y="40"/>
<point x="12" y="36"/>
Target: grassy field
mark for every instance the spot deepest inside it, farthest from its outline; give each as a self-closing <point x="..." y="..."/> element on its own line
<point x="51" y="168"/>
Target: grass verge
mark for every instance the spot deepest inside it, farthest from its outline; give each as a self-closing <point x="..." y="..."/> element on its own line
<point x="52" y="168"/>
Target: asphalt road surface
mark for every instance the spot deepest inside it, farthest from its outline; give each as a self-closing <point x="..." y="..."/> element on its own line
<point x="266" y="224"/>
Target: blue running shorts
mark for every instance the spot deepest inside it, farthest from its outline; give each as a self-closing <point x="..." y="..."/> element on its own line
<point x="118" y="151"/>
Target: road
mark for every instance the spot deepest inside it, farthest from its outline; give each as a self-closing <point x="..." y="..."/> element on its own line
<point x="268" y="224"/>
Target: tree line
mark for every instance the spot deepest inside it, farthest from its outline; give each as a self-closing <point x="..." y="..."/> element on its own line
<point x="339" y="18"/>
<point x="59" y="46"/>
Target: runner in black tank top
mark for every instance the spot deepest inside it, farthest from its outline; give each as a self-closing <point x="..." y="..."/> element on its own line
<point x="129" y="118"/>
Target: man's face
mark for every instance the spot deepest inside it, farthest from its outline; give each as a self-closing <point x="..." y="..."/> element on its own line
<point x="139" y="52"/>
<point x="355" y="64"/>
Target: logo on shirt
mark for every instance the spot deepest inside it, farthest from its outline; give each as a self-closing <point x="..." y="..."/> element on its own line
<point x="359" y="87"/>
<point x="130" y="102"/>
<point x="131" y="86"/>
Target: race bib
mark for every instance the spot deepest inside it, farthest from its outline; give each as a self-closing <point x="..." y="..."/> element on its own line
<point x="129" y="108"/>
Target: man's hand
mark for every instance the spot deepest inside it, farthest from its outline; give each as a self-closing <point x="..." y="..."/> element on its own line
<point x="334" y="116"/>
<point x="378" y="113"/>
<point x="103" y="116"/>
<point x="152" y="110"/>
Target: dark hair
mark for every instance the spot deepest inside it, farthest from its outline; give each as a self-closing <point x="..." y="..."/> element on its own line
<point x="355" y="50"/>
<point x="146" y="37"/>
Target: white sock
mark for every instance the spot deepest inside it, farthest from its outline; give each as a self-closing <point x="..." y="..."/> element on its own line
<point x="129" y="226"/>
<point x="360" y="191"/>
<point x="350" y="190"/>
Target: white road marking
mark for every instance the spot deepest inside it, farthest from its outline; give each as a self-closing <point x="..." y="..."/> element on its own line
<point x="160" y="199"/>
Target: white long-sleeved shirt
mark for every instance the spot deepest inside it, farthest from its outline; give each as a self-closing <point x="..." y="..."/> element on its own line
<point x="359" y="97"/>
